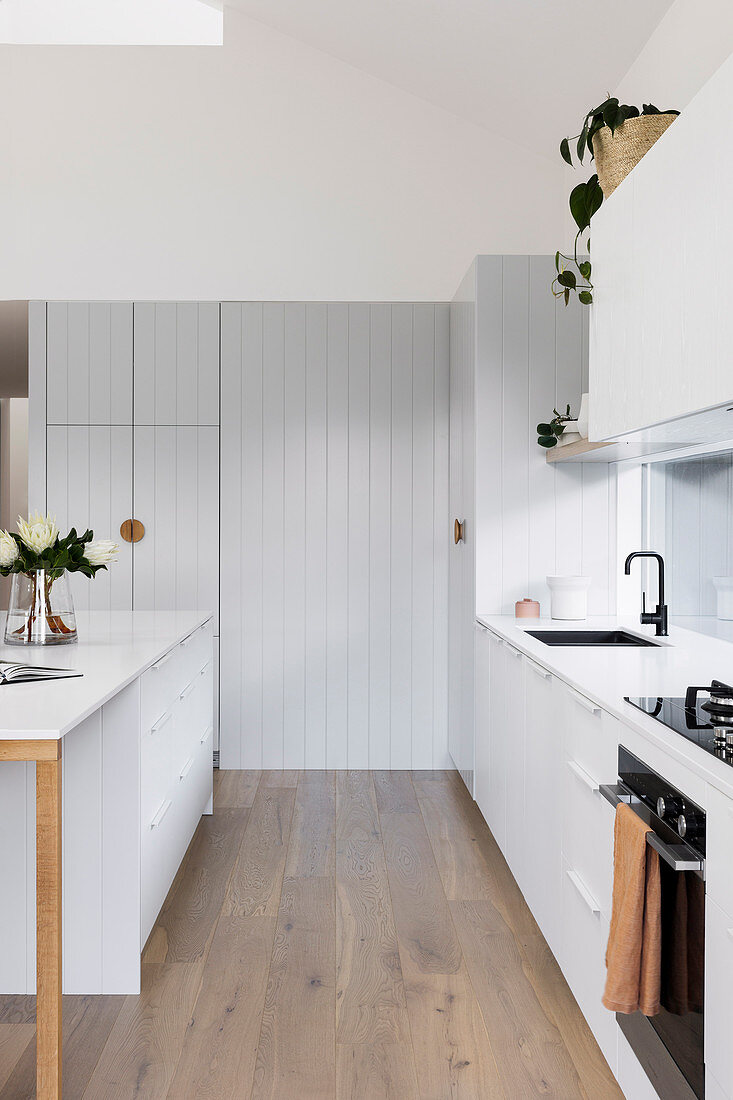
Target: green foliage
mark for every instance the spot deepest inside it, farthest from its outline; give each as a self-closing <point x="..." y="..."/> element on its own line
<point x="65" y="554"/>
<point x="548" y="434"/>
<point x="586" y="198"/>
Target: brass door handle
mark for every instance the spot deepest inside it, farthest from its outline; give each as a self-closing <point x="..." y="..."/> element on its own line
<point x="458" y="534"/>
<point x="132" y="530"/>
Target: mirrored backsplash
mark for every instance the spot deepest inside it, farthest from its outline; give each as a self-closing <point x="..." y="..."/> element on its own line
<point x="688" y="506"/>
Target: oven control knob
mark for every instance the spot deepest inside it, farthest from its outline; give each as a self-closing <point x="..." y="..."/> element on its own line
<point x="669" y="807"/>
<point x="689" y="826"/>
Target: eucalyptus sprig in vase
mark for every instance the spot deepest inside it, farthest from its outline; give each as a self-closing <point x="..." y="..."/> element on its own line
<point x="41" y="609"/>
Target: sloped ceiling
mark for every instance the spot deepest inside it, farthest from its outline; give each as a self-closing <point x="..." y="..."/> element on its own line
<point x="525" y="69"/>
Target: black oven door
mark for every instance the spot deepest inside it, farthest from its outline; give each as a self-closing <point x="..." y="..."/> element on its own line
<point x="670" y="1045"/>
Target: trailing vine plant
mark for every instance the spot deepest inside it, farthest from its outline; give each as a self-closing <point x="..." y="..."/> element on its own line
<point x="574" y="274"/>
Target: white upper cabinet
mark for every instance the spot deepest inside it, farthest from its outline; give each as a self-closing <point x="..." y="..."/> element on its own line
<point x="662" y="323"/>
<point x="89" y="363"/>
<point x="176" y="363"/>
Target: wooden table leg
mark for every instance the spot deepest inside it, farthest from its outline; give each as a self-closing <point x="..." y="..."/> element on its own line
<point x="48" y="922"/>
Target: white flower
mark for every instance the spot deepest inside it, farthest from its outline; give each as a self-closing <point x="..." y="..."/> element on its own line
<point x="101" y="552"/>
<point x="8" y="550"/>
<point x="38" y="532"/>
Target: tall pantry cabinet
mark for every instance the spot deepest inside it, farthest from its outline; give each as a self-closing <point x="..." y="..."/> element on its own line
<point x="124" y="425"/>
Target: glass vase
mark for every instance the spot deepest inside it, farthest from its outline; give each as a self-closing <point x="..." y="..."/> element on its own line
<point x="41" y="610"/>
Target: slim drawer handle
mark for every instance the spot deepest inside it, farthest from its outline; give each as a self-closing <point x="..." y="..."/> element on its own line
<point x="495" y="639"/>
<point x="186" y="768"/>
<point x="582" y="775"/>
<point x="163" y="660"/>
<point x="162" y="721"/>
<point x="586" y="704"/>
<point x="206" y="736"/>
<point x="161" y="814"/>
<point x="539" y="671"/>
<point x="192" y="635"/>
<point x="514" y="652"/>
<point x="585" y="894"/>
<point x="205" y="669"/>
<point x="187" y="691"/>
<point x="729" y="932"/>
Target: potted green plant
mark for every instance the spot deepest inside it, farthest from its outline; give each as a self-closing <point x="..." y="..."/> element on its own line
<point x="616" y="136"/>
<point x="549" y="434"/>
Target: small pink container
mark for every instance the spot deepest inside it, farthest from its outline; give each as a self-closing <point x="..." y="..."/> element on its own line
<point x="526" y="609"/>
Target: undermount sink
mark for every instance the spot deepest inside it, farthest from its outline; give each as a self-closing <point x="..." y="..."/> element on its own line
<point x="590" y="638"/>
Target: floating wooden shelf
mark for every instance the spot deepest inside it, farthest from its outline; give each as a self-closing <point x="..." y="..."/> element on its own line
<point x="584" y="451"/>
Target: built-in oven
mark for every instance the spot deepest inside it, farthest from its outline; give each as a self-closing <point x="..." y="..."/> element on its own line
<point x="670" y="1045"/>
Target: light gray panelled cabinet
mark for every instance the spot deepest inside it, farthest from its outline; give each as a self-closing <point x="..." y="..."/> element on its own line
<point x="125" y="399"/>
<point x="334" y="468"/>
<point x="516" y="354"/>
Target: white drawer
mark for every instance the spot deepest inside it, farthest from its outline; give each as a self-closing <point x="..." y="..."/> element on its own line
<point x="718" y="985"/>
<point x="195" y="783"/>
<point x="159" y="686"/>
<point x="156" y="766"/>
<point x="719" y="851"/>
<point x="196" y="650"/>
<point x="591" y="737"/>
<point x="156" y="844"/>
<point x="585" y="936"/>
<point x="587" y="835"/>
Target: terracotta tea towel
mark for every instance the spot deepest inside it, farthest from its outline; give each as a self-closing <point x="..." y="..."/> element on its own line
<point x="634" y="952"/>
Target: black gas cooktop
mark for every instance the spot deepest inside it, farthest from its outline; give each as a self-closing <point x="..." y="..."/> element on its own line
<point x="704" y="716"/>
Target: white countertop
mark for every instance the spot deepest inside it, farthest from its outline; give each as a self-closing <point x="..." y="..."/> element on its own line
<point x="607" y="674"/>
<point x="114" y="649"/>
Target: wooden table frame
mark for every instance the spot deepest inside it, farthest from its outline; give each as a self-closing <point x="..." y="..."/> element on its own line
<point x="47" y="757"/>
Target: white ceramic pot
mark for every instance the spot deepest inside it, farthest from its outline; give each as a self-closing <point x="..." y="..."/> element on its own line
<point x="568" y="597"/>
<point x="583" y="417"/>
<point x="724" y="589"/>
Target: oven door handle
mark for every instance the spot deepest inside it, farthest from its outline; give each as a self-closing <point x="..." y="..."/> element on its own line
<point x="678" y="856"/>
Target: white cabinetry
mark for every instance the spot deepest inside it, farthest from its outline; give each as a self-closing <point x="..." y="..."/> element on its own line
<point x="493" y="804"/>
<point x="485" y="642"/>
<point x="660" y="332"/>
<point x="543" y="809"/>
<point x="131" y="431"/>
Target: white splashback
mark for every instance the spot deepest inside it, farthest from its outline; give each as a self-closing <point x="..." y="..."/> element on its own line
<point x="334" y="512"/>
<point x="534" y="519"/>
<point x="691" y="524"/>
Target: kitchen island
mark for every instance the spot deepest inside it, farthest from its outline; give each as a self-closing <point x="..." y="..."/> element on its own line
<point x="107" y="774"/>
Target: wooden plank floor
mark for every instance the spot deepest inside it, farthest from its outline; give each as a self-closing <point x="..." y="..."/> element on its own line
<point x="349" y="935"/>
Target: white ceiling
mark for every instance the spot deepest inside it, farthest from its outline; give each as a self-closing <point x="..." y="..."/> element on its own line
<point x="525" y="69"/>
<point x="110" y="22"/>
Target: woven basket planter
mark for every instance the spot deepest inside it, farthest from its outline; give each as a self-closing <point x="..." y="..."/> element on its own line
<point x="616" y="154"/>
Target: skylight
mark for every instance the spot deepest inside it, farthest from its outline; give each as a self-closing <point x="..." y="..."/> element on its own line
<point x="111" y="22"/>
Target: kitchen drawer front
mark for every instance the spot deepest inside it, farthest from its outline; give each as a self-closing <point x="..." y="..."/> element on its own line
<point x="159" y="686"/>
<point x="587" y="833"/>
<point x="196" y="650"/>
<point x="157" y="843"/>
<point x="718" y="985"/>
<point x="591" y="737"/>
<point x="156" y="766"/>
<point x="195" y="782"/>
<point x="585" y="936"/>
<point x="719" y="851"/>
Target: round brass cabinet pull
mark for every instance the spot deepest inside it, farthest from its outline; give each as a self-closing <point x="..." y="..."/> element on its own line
<point x="458" y="535"/>
<point x="132" y="530"/>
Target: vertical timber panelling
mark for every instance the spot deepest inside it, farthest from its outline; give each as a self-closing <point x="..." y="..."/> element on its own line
<point x="89" y="363"/>
<point x="176" y="347"/>
<point x="533" y="520"/>
<point x="334" y="494"/>
<point x="89" y="484"/>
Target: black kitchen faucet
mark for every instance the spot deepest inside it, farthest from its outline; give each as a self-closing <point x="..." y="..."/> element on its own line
<point x="658" y="617"/>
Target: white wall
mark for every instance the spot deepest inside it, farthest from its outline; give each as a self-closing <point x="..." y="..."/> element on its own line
<point x="690" y="43"/>
<point x="533" y="519"/>
<point x="262" y="170"/>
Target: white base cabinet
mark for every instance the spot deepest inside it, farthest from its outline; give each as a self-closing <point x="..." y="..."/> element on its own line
<point x="542" y="752"/>
<point x="137" y="775"/>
